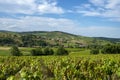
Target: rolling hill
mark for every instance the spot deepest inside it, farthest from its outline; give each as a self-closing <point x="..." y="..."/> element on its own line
<point x="50" y="38"/>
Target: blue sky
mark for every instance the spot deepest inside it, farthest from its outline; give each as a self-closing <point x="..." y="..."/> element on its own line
<point x="94" y="18"/>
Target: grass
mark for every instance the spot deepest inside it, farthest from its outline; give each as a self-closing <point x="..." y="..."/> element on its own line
<point x="74" y="52"/>
<point x="4" y="51"/>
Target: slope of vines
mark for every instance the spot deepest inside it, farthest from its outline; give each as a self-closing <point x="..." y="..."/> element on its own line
<point x="60" y="68"/>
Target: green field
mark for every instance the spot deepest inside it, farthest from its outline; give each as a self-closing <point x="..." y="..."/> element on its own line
<point x="78" y="65"/>
<point x="4" y="51"/>
<point x="84" y="67"/>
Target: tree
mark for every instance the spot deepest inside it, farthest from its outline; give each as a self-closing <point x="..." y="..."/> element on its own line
<point x="61" y="51"/>
<point x="14" y="51"/>
<point x="94" y="51"/>
<point x="6" y="41"/>
<point x="36" y="52"/>
<point x="111" y="49"/>
<point x="51" y="52"/>
<point x="48" y="51"/>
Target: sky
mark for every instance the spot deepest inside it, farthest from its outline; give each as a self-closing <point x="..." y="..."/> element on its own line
<point x="93" y="18"/>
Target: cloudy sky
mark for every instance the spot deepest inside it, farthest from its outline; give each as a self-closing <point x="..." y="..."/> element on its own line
<point x="96" y="18"/>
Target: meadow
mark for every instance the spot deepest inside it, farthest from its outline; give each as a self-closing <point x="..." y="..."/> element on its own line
<point x="5" y="51"/>
<point x="78" y="65"/>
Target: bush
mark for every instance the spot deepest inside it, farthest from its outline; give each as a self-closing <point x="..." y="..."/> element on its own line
<point x="39" y="52"/>
<point x="48" y="51"/>
<point x="111" y="49"/>
<point x="51" y="52"/>
<point x="36" y="52"/>
<point x="61" y="51"/>
<point x="94" y="51"/>
<point x="14" y="51"/>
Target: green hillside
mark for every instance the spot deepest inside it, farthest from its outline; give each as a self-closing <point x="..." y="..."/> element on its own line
<point x="113" y="40"/>
<point x="49" y="38"/>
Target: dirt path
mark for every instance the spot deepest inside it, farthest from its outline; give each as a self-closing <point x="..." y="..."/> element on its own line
<point x="4" y="48"/>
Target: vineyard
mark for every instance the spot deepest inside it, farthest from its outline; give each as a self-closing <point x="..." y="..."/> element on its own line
<point x="95" y="67"/>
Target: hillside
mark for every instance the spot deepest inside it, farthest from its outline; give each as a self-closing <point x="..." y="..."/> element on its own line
<point x="49" y="38"/>
<point x="113" y="40"/>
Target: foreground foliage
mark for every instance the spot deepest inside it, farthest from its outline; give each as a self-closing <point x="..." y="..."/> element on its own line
<point x="60" y="68"/>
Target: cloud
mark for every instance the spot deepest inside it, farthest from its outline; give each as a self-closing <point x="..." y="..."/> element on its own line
<point x="30" y="6"/>
<point x="109" y="9"/>
<point x="50" y="7"/>
<point x="100" y="31"/>
<point x="18" y="6"/>
<point x="29" y="23"/>
<point x="37" y="24"/>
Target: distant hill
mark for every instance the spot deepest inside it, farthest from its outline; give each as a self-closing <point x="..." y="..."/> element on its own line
<point x="50" y="38"/>
<point x="114" y="40"/>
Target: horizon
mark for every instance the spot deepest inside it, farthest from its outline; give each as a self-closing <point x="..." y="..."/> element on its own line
<point x="57" y="31"/>
<point x="92" y="18"/>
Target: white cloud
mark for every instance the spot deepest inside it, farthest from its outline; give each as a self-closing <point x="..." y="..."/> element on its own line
<point x="100" y="31"/>
<point x="18" y="6"/>
<point x="56" y="24"/>
<point x="30" y="6"/>
<point x="98" y="2"/>
<point x="50" y="7"/>
<point x="37" y="23"/>
<point x="103" y="8"/>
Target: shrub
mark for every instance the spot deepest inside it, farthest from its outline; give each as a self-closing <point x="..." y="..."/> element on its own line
<point x="36" y="52"/>
<point x="14" y="51"/>
<point x="51" y="52"/>
<point x="94" y="51"/>
<point x="48" y="51"/>
<point x="61" y="51"/>
<point x="111" y="49"/>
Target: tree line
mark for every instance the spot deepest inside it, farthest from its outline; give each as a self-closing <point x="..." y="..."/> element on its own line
<point x="106" y="49"/>
<point x="27" y="40"/>
<point x="14" y="51"/>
